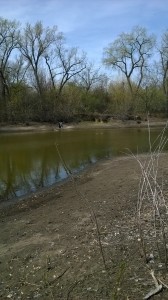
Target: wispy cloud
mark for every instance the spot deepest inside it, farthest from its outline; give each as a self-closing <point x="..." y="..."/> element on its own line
<point x="90" y="24"/>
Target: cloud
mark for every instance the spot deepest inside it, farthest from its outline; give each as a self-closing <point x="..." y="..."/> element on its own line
<point x="78" y="15"/>
<point x="90" y="24"/>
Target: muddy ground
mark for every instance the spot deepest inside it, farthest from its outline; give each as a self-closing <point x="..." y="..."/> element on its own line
<point x="49" y="246"/>
<point x="36" y="126"/>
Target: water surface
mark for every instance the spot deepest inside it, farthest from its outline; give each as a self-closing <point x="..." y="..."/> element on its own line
<point x="29" y="161"/>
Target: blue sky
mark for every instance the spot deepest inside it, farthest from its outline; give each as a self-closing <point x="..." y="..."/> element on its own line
<point x="90" y="24"/>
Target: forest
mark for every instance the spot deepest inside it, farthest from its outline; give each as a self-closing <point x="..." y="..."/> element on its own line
<point x="43" y="79"/>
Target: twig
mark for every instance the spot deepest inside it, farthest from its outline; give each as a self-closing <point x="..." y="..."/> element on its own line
<point x="164" y="284"/>
<point x="158" y="287"/>
<point x="154" y="278"/>
<point x="150" y="192"/>
<point x="61" y="275"/>
<point x="84" y="198"/>
<point x="71" y="288"/>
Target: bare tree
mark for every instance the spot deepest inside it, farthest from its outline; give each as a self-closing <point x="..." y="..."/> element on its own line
<point x="18" y="69"/>
<point x="90" y="77"/>
<point x="164" y="66"/>
<point x="9" y="36"/>
<point x="63" y="65"/>
<point x="50" y="59"/>
<point x="34" y="44"/>
<point x="70" y="64"/>
<point x="129" y="53"/>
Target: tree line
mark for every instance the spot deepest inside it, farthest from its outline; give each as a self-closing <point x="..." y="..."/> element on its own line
<point x="44" y="79"/>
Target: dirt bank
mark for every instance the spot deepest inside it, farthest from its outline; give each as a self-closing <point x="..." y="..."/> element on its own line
<point x="34" y="126"/>
<point x="49" y="247"/>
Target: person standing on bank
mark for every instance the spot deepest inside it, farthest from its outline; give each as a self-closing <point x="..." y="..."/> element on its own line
<point x="60" y="124"/>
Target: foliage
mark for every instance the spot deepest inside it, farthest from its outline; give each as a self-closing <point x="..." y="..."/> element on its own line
<point x="130" y="53"/>
<point x="43" y="79"/>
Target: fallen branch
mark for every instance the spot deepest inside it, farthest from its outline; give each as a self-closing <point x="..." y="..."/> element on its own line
<point x="158" y="287"/>
<point x="164" y="284"/>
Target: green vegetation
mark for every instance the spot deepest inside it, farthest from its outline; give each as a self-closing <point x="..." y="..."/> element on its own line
<point x="43" y="79"/>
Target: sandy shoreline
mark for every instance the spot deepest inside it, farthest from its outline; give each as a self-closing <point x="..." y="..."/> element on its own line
<point x="49" y="247"/>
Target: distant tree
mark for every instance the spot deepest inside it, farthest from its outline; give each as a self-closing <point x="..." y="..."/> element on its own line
<point x="34" y="44"/>
<point x="164" y="66"/>
<point x="64" y="64"/>
<point x="9" y="36"/>
<point x="90" y="76"/>
<point x="18" y="69"/>
<point x="150" y="90"/>
<point x="129" y="53"/>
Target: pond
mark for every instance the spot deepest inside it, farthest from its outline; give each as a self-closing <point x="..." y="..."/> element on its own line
<point x="30" y="161"/>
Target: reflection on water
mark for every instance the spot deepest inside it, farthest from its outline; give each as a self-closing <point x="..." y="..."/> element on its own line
<point x="29" y="161"/>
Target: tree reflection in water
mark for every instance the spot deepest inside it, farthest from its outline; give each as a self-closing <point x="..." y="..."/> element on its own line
<point x="30" y="161"/>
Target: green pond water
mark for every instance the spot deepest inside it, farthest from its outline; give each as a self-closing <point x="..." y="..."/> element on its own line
<point x="30" y="161"/>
